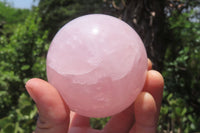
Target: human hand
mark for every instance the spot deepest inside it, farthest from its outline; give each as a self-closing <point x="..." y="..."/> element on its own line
<point x="55" y="116"/>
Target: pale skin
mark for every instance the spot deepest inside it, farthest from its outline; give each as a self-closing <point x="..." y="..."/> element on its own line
<point x="56" y="117"/>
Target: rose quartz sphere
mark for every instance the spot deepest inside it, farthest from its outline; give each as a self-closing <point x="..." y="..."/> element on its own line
<point x="98" y="64"/>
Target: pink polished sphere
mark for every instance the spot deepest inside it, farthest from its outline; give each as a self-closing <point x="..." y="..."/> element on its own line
<point x="98" y="63"/>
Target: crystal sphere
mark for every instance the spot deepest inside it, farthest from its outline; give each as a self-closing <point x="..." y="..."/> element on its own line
<point x="98" y="64"/>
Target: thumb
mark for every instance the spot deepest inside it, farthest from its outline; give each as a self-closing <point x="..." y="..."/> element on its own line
<point x="53" y="113"/>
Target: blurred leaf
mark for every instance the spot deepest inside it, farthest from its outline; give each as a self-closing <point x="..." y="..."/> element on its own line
<point x="4" y="121"/>
<point x="25" y="67"/>
<point x="9" y="128"/>
<point x="184" y="111"/>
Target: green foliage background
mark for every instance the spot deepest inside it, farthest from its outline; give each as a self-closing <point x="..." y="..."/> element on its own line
<point x="181" y="102"/>
<point x="26" y="34"/>
<point x="22" y="56"/>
